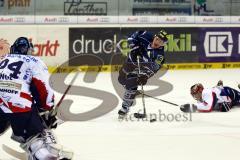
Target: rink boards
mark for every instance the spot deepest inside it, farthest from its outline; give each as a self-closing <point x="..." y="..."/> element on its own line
<point x="115" y="68"/>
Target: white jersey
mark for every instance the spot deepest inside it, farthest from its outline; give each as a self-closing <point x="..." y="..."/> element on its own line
<point x="17" y="74"/>
<point x="210" y="98"/>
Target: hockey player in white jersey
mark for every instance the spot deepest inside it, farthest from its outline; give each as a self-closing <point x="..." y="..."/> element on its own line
<point x="25" y="94"/>
<point x="218" y="98"/>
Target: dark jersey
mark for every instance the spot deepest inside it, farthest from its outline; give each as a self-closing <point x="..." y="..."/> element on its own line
<point x="140" y="44"/>
<point x="150" y="60"/>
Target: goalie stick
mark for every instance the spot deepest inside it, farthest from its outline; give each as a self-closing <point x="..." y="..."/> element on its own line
<point x="23" y="155"/>
<point x="14" y="153"/>
<point x="63" y="96"/>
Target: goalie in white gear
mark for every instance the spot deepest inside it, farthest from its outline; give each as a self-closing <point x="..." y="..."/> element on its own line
<point x="25" y="94"/>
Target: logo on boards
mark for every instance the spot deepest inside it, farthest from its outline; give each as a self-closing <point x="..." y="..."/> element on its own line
<point x="218" y="44"/>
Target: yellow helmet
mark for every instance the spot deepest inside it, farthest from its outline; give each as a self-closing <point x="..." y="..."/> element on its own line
<point x="162" y="34"/>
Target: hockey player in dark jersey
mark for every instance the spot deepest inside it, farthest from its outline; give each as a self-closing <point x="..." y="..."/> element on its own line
<point x="149" y="49"/>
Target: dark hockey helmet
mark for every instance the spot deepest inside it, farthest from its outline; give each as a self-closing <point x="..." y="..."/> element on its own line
<point x="162" y="34"/>
<point x="196" y="91"/>
<point x="21" y="46"/>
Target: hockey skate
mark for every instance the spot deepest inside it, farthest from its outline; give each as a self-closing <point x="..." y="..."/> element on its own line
<point x="122" y="113"/>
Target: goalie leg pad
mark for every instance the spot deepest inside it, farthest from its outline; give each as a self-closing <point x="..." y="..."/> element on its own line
<point x="45" y="147"/>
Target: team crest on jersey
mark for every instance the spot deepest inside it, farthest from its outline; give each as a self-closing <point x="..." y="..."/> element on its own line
<point x="4" y="47"/>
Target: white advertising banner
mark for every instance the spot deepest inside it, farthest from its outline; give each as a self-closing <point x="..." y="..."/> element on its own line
<point x="52" y="19"/>
<point x="17" y="19"/>
<point x="50" y="42"/>
<point x="235" y="19"/>
<point x="176" y="19"/>
<point x="97" y="19"/>
<point x="212" y="19"/>
<point x="138" y="19"/>
<point x="56" y="19"/>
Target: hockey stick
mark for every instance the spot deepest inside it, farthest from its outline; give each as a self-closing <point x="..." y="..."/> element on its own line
<point x="141" y="115"/>
<point x="66" y="91"/>
<point x="23" y="155"/>
<point x="174" y="104"/>
<point x="64" y="94"/>
<point x="183" y="108"/>
<point x="55" y="110"/>
<point x="14" y="153"/>
<point x="144" y="114"/>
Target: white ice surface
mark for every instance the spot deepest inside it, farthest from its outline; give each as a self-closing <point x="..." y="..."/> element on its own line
<point x="208" y="136"/>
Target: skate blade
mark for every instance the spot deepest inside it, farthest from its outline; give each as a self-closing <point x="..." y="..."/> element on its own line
<point x="121" y="117"/>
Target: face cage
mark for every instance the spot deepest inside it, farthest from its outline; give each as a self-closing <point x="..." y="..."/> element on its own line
<point x="30" y="51"/>
<point x="27" y="50"/>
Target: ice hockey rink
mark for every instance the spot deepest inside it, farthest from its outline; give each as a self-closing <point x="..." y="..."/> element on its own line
<point x="205" y="136"/>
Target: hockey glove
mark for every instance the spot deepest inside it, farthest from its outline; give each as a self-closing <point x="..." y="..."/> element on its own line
<point x="187" y="108"/>
<point x="142" y="78"/>
<point x="50" y="118"/>
<point x="145" y="74"/>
